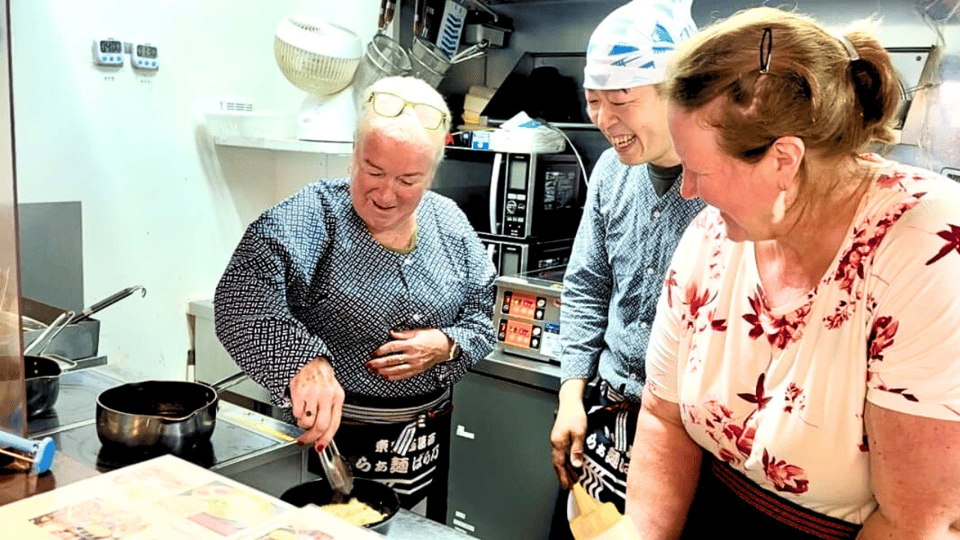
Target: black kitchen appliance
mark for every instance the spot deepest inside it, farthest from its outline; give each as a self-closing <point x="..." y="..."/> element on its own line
<point x="519" y="196"/>
<point x="512" y="257"/>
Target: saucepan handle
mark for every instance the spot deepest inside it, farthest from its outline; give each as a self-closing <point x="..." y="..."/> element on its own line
<point x="44" y="339"/>
<point x="64" y="359"/>
<point x="108" y="301"/>
<point x="228" y="382"/>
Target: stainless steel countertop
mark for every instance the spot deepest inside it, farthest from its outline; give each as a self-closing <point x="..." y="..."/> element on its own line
<point x="410" y="526"/>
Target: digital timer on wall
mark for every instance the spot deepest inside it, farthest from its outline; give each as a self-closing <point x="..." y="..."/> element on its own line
<point x="144" y="56"/>
<point x="108" y="52"/>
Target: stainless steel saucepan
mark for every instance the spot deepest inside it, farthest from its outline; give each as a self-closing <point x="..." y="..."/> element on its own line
<point x="42" y="373"/>
<point x="157" y="415"/>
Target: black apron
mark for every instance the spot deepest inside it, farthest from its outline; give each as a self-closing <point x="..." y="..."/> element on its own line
<point x="726" y="499"/>
<point x="611" y="426"/>
<point x="403" y="443"/>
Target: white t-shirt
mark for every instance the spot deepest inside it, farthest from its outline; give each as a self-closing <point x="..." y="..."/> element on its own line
<point x="779" y="394"/>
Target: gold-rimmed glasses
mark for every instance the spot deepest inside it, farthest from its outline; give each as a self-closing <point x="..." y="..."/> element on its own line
<point x="392" y="105"/>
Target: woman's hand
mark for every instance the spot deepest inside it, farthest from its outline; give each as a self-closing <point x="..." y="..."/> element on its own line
<point x="411" y="352"/>
<point x="569" y="431"/>
<point x="317" y="400"/>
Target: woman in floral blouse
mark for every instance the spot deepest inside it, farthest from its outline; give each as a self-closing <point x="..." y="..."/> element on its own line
<point x="804" y="354"/>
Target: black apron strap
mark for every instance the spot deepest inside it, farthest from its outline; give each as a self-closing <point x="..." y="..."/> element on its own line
<point x="611" y="425"/>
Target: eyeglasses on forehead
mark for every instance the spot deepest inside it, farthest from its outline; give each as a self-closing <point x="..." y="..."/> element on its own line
<point x="391" y="105"/>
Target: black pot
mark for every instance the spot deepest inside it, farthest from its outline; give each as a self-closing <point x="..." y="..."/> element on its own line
<point x="378" y="496"/>
<point x="42" y="376"/>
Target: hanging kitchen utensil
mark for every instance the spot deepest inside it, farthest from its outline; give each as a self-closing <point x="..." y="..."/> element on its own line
<point x="451" y="27"/>
<point x="382" y="21"/>
<point x="391" y="10"/>
<point x="471" y="52"/>
<point x="152" y="416"/>
<point x="428" y="61"/>
<point x="336" y="469"/>
<point x="108" y="301"/>
<point x="384" y="58"/>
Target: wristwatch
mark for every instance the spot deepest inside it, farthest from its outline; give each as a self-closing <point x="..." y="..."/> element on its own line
<point x="454" y="349"/>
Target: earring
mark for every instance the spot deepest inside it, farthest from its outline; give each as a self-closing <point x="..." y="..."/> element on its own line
<point x="780" y="207"/>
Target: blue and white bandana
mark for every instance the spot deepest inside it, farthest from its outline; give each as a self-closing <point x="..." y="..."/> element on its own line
<point x="631" y="46"/>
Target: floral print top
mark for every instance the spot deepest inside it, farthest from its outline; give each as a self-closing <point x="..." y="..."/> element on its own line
<point x="779" y="394"/>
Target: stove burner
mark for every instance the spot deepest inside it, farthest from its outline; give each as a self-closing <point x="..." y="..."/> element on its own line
<point x="111" y="457"/>
<point x="77" y="437"/>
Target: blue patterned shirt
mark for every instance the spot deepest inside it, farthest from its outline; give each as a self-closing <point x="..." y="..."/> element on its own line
<point x="626" y="239"/>
<point x="309" y="280"/>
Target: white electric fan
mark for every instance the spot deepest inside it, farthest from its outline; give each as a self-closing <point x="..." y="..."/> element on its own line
<point x="321" y="58"/>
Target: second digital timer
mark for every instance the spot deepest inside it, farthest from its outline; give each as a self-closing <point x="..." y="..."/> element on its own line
<point x="144" y="56"/>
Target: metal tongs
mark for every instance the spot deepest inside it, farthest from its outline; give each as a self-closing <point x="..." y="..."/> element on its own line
<point x="47" y="336"/>
<point x="336" y="470"/>
<point x="474" y="51"/>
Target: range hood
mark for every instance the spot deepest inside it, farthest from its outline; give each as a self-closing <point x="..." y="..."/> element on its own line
<point x="547" y="86"/>
<point x="550" y="86"/>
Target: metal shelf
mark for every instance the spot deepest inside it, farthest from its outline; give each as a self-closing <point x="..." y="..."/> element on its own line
<point x="287" y="145"/>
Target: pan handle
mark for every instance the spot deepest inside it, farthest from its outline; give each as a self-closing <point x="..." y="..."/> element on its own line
<point x="108" y="301"/>
<point x="49" y="334"/>
<point x="230" y="381"/>
<point x="58" y="358"/>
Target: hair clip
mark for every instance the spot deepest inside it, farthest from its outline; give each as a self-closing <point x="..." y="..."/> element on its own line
<point x="766" y="49"/>
<point x="851" y="50"/>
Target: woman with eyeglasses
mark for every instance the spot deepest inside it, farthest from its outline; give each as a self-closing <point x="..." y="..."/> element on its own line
<point x="804" y="356"/>
<point x="358" y="302"/>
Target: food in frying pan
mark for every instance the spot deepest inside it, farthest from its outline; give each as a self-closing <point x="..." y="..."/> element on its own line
<point x="354" y="512"/>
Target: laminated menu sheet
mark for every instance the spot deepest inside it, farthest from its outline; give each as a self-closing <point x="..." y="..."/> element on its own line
<point x="167" y="498"/>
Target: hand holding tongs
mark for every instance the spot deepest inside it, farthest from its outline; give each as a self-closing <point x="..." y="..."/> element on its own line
<point x="474" y="51"/>
<point x="336" y="469"/>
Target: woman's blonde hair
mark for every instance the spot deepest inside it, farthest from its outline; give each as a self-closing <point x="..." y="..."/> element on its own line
<point x="803" y="82"/>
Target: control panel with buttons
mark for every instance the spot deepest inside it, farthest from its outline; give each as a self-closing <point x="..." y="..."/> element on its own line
<point x="528" y="318"/>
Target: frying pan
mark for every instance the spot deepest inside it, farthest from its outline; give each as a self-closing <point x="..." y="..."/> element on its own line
<point x="150" y="416"/>
<point x="378" y="496"/>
